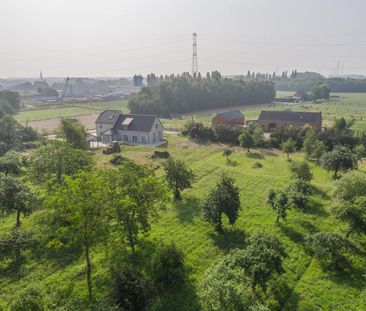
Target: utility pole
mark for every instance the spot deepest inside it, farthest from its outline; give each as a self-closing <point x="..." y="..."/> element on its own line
<point x="194" y="56"/>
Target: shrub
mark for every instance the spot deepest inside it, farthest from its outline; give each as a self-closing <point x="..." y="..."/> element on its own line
<point x="300" y="170"/>
<point x="129" y="290"/>
<point x="29" y="299"/>
<point x="168" y="268"/>
<point x="119" y="160"/>
<point x="257" y="165"/>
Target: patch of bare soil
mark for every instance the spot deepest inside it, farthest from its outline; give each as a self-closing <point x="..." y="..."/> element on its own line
<point x="50" y="125"/>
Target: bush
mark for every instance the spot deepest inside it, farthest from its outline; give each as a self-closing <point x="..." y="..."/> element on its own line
<point x="130" y="290"/>
<point x="301" y="170"/>
<point x="30" y="299"/>
<point x="168" y="268"/>
<point x="257" y="165"/>
<point x="119" y="160"/>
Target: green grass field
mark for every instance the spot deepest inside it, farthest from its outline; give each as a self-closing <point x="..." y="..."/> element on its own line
<point x="70" y="111"/>
<point x="303" y="286"/>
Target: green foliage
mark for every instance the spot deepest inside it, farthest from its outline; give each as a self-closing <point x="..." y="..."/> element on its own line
<point x="134" y="194"/>
<point x="118" y="160"/>
<point x="301" y="170"/>
<point x="360" y="151"/>
<point x="167" y="266"/>
<point x="258" y="136"/>
<point x="81" y="214"/>
<point x="10" y="163"/>
<point x="246" y="140"/>
<point x="9" y="101"/>
<point x="288" y="147"/>
<point x="130" y="291"/>
<point x="350" y="186"/>
<point x="279" y="203"/>
<point x="329" y="249"/>
<point x="199" y="131"/>
<point x="224" y="199"/>
<point x="15" y="196"/>
<point x="74" y="133"/>
<point x="13" y="243"/>
<point x="340" y="124"/>
<point x="227" y="153"/>
<point x="47" y="91"/>
<point x="57" y="159"/>
<point x="298" y="192"/>
<point x="320" y="91"/>
<point x="178" y="175"/>
<point x="225" y="287"/>
<point x="313" y="146"/>
<point x="184" y="93"/>
<point x="261" y="259"/>
<point x="29" y="299"/>
<point x="339" y="159"/>
<point x="281" y="135"/>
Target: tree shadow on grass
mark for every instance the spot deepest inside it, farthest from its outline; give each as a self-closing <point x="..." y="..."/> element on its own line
<point x="187" y="209"/>
<point x="317" y="191"/>
<point x="292" y="234"/>
<point x="308" y="226"/>
<point x="315" y="208"/>
<point x="228" y="239"/>
<point x="283" y="295"/>
<point x="231" y="162"/>
<point x="255" y="155"/>
<point x="183" y="297"/>
<point x="350" y="276"/>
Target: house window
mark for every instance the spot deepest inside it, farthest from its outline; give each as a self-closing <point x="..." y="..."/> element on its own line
<point x="143" y="139"/>
<point x="154" y="137"/>
<point x="125" y="137"/>
<point x="134" y="139"/>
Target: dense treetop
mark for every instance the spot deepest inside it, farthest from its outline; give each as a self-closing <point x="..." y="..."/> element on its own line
<point x="182" y="94"/>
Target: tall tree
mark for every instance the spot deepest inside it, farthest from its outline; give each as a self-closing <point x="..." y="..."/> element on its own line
<point x="339" y="159"/>
<point x="81" y="215"/>
<point x="74" y="133"/>
<point x="224" y="198"/>
<point x="179" y="176"/>
<point x="134" y="194"/>
<point x="288" y="147"/>
<point x="246" y="140"/>
<point x="56" y="160"/>
<point x="15" y="196"/>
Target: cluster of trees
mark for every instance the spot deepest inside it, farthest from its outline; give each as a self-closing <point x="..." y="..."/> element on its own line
<point x="184" y="94"/>
<point x="9" y="102"/>
<point x="233" y="283"/>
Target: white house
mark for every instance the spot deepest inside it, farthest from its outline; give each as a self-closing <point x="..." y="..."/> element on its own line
<point x="135" y="129"/>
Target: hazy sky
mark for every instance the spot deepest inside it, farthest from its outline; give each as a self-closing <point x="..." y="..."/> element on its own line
<point x="123" y="37"/>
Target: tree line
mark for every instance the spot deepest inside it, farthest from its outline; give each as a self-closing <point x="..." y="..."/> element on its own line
<point x="165" y="96"/>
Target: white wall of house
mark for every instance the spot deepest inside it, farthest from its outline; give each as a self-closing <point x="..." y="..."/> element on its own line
<point x="102" y="127"/>
<point x="157" y="131"/>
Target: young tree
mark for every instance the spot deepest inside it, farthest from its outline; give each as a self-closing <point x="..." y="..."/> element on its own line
<point x="74" y="133"/>
<point x="81" y="214"/>
<point x="16" y="196"/>
<point x="10" y="163"/>
<point x="227" y="153"/>
<point x="223" y="199"/>
<point x="279" y="203"/>
<point x="258" y="136"/>
<point x="261" y="259"/>
<point x="134" y="193"/>
<point x="56" y="160"/>
<point x="179" y="176"/>
<point x="298" y="192"/>
<point x="301" y="170"/>
<point x="340" y="158"/>
<point x="246" y="140"/>
<point x="328" y="248"/>
<point x="288" y="147"/>
<point x="340" y="124"/>
<point x="360" y="151"/>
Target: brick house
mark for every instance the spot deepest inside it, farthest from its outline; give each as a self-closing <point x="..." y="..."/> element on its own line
<point x="272" y="120"/>
<point x="232" y="118"/>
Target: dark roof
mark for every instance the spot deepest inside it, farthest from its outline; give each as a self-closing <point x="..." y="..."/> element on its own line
<point x="108" y="116"/>
<point x="291" y="116"/>
<point x="231" y="115"/>
<point x="140" y="122"/>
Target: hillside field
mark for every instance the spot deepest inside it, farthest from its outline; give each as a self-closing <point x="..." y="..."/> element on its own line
<point x="303" y="286"/>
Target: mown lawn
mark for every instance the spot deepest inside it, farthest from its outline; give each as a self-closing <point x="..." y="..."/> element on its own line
<point x="303" y="286"/>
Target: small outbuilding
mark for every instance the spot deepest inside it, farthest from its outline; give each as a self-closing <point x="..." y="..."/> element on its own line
<point x="272" y="120"/>
<point x="233" y="118"/>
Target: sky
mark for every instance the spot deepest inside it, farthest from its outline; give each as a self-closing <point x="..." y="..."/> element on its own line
<point x="118" y="38"/>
